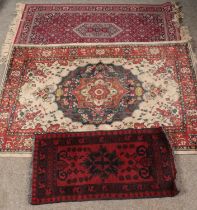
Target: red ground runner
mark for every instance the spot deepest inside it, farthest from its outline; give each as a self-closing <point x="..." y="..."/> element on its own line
<point x="122" y="164"/>
<point x="57" y="23"/>
<point x="102" y="87"/>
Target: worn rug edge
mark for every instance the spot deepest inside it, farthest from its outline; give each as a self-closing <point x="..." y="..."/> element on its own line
<point x="12" y="30"/>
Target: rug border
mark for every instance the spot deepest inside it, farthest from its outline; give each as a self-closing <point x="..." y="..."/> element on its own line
<point x="188" y="42"/>
<point x="104" y="43"/>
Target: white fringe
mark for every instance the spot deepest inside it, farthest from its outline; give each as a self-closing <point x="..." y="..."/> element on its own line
<point x="193" y="58"/>
<point x="184" y="33"/>
<point x="178" y="17"/>
<point x="7" y="46"/>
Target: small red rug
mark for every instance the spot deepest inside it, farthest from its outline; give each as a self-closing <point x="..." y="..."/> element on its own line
<point x="102" y="165"/>
<point x="61" y="23"/>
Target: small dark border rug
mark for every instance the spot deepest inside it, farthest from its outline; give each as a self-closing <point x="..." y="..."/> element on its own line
<point x="135" y="163"/>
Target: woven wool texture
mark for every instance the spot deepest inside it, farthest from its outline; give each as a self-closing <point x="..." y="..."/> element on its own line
<point x="102" y="165"/>
<point x="56" y="24"/>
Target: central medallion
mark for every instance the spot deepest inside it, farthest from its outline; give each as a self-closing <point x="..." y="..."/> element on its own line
<point x="102" y="163"/>
<point x="97" y="30"/>
<point x="99" y="94"/>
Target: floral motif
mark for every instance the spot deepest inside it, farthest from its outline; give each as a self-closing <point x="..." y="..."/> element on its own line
<point x="98" y="93"/>
<point x="154" y="51"/>
<point x="63" y="97"/>
<point x="60" y="92"/>
<point x="70" y="95"/>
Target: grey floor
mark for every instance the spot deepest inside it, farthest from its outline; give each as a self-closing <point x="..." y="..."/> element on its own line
<point x="15" y="172"/>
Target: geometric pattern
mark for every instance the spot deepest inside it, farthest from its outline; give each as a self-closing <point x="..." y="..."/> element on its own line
<point x="81" y="166"/>
<point x="58" y="24"/>
<point x="97" y="30"/>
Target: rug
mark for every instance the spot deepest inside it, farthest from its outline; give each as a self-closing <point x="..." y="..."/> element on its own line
<point x="83" y="23"/>
<point x="102" y="165"/>
<point x="53" y="23"/>
<point x="99" y="87"/>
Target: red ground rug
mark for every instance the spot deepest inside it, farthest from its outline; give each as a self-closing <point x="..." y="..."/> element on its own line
<point x="77" y="88"/>
<point x="62" y="23"/>
<point x="102" y="165"/>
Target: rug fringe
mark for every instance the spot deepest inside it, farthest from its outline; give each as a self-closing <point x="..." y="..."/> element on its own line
<point x="178" y="19"/>
<point x="184" y="33"/>
<point x="193" y="57"/>
<point x="178" y="16"/>
<point x="6" y="47"/>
